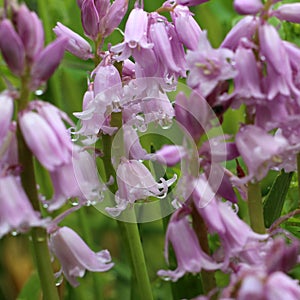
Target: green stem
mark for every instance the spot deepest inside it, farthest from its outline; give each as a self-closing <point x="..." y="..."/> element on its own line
<point x="38" y="235"/>
<point x="88" y="238"/>
<point x="129" y="231"/>
<point x="208" y="277"/>
<point x="255" y="208"/>
<point x="298" y="171"/>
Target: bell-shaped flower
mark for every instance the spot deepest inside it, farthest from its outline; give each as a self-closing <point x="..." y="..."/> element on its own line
<point x="7" y="109"/>
<point x="169" y="155"/>
<point x="187" y="28"/>
<point x="90" y="19"/>
<point x="245" y="28"/>
<point x="12" y="48"/>
<point x="235" y="234"/>
<point x="160" y="37"/>
<point x="31" y="31"/>
<point x="193" y="113"/>
<point x="135" y="182"/>
<point x="288" y="12"/>
<point x="190" y="257"/>
<point x="77" y="179"/>
<point x="45" y="135"/>
<point x="47" y="62"/>
<point x="113" y="17"/>
<point x="190" y="2"/>
<point x="247" y="7"/>
<point x="75" y="256"/>
<point x="16" y="212"/>
<point x="135" y="36"/>
<point x="209" y="66"/>
<point x="77" y="45"/>
<point x="259" y="150"/>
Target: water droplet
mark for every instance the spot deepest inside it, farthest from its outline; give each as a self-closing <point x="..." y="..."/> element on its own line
<point x="165" y="123"/>
<point x="41" y="89"/>
<point x="40" y="239"/>
<point x="14" y="233"/>
<point x="74" y="202"/>
<point x="166" y="278"/>
<point x="59" y="278"/>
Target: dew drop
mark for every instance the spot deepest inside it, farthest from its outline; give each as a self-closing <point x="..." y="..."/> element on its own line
<point x="165" y="123"/>
<point x="14" y="233"/>
<point x="41" y="90"/>
<point x="59" y="279"/>
<point x="74" y="202"/>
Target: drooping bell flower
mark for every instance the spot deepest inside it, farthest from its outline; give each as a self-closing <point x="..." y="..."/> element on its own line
<point x="234" y="233"/>
<point x="209" y="66"/>
<point x="31" y="32"/>
<point x="187" y="28"/>
<point x="16" y="212"/>
<point x="190" y="2"/>
<point x="247" y="7"/>
<point x="193" y="113"/>
<point x="46" y="135"/>
<point x="190" y="257"/>
<point x="76" y="45"/>
<point x="12" y="48"/>
<point x="135" y="35"/>
<point x="135" y="182"/>
<point x="75" y="256"/>
<point x="288" y="12"/>
<point x="169" y="155"/>
<point x="6" y="108"/>
<point x="47" y="62"/>
<point x="90" y="19"/>
<point x="245" y="28"/>
<point x="259" y="150"/>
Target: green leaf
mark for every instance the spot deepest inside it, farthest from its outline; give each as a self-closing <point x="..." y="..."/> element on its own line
<point x="274" y="201"/>
<point x="31" y="289"/>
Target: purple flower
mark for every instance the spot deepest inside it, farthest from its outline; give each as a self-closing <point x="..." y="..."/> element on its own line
<point x="259" y="150"/>
<point x="135" y="182"/>
<point x="236" y="236"/>
<point x="247" y="7"/>
<point x="46" y="136"/>
<point x="75" y="256"/>
<point x="31" y="32"/>
<point x="12" y="48"/>
<point x="77" y="45"/>
<point x="190" y="2"/>
<point x="170" y="155"/>
<point x="90" y="19"/>
<point x="47" y="61"/>
<point x="193" y="113"/>
<point x="209" y="66"/>
<point x="190" y="257"/>
<point x="7" y="109"/>
<point x="186" y="27"/>
<point x="16" y="212"/>
<point x="245" y="28"/>
<point x="288" y="12"/>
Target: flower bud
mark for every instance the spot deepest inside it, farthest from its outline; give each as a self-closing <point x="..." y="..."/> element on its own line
<point x="12" y="48"/>
<point x="31" y="31"/>
<point x="47" y="62"/>
<point x="76" y="44"/>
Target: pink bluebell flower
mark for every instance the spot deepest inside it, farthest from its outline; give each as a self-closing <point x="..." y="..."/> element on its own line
<point x="6" y="108"/>
<point x="31" y="32"/>
<point x="47" y="61"/>
<point x="12" y="48"/>
<point x="190" y="257"/>
<point x="247" y="7"/>
<point x="209" y="66"/>
<point x="75" y="256"/>
<point x="77" y="45"/>
<point x="16" y="213"/>
<point x="46" y="135"/>
<point x="135" y="182"/>
<point x="288" y="12"/>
